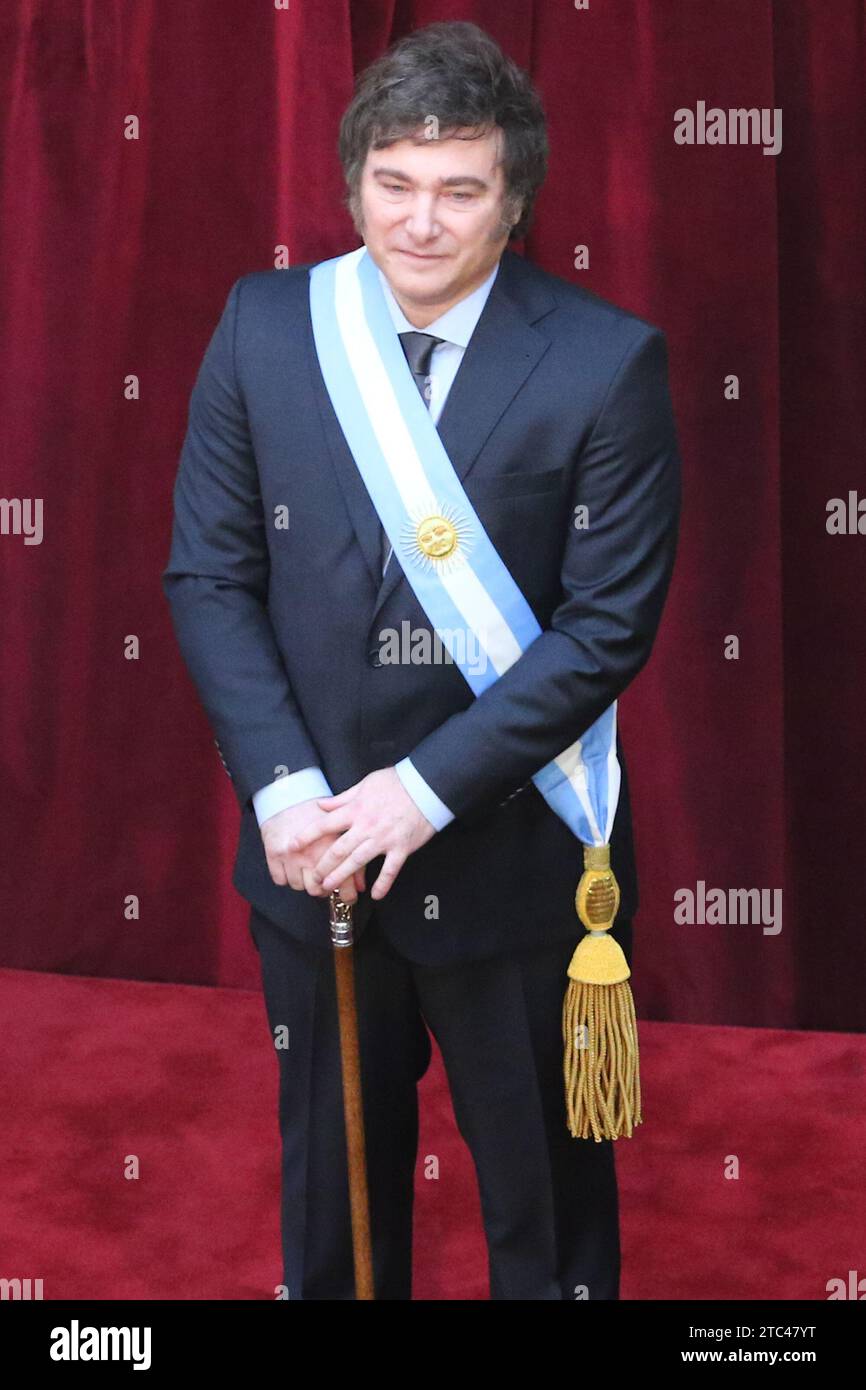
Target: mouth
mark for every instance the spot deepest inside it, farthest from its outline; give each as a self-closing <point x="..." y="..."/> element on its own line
<point x="416" y="256"/>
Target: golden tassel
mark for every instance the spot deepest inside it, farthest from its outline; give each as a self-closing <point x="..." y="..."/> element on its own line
<point x="599" y="1028"/>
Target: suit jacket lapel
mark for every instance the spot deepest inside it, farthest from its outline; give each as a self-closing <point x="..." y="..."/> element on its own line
<point x="502" y="352"/>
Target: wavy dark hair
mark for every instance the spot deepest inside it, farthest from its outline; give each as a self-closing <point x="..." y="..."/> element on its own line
<point x="457" y="73"/>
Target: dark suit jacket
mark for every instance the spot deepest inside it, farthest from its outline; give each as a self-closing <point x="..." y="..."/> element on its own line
<point x="561" y="400"/>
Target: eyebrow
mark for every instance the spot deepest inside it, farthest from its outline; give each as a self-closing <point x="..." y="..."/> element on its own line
<point x="443" y="183"/>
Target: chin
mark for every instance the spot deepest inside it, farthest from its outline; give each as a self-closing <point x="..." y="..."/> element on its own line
<point x="425" y="290"/>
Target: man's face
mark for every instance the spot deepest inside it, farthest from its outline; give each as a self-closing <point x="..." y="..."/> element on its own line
<point x="431" y="215"/>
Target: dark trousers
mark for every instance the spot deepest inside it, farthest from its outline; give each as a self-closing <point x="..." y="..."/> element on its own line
<point x="549" y="1202"/>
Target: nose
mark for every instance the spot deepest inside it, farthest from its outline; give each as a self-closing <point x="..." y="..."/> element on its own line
<point x="421" y="222"/>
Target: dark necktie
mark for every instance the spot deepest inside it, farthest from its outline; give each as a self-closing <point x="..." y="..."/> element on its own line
<point x="418" y="348"/>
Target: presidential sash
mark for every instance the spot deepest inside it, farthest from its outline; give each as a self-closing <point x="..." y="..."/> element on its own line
<point x="464" y="586"/>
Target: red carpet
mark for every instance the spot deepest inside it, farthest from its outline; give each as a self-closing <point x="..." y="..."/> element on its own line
<point x="181" y="1079"/>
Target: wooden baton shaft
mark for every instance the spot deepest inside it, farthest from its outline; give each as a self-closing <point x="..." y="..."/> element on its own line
<point x="344" y="967"/>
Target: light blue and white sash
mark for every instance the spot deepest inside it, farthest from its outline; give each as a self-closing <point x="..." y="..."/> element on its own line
<point x="457" y="575"/>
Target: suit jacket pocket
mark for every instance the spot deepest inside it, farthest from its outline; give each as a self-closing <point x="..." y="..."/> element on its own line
<point x="514" y="484"/>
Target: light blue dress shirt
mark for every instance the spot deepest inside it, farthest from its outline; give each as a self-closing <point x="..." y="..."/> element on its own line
<point x="455" y="327"/>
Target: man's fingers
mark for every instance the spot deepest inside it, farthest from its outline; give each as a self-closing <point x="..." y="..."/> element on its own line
<point x="310" y="885"/>
<point x="277" y="870"/>
<point x="337" y="851"/>
<point x="355" y="859"/>
<point x="394" y="861"/>
<point x="331" y="802"/>
<point x="302" y="839"/>
<point x="347" y="890"/>
<point x="360" y="880"/>
<point x="325" y="823"/>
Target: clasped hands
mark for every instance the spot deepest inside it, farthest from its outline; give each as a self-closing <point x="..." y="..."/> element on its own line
<point x="324" y="844"/>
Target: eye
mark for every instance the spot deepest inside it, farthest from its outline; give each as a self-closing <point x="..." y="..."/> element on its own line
<point x="467" y="196"/>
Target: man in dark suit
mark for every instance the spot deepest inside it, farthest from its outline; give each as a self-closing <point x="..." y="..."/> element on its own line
<point x="301" y="633"/>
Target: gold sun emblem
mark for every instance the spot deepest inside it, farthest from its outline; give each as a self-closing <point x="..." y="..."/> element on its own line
<point x="437" y="537"/>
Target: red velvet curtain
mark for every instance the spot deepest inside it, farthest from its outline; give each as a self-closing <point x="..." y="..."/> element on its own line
<point x="117" y="257"/>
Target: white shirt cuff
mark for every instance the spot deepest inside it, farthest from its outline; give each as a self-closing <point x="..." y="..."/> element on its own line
<point x="288" y="791"/>
<point x="423" y="795"/>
